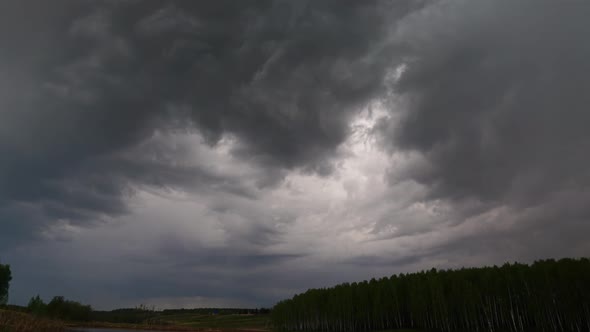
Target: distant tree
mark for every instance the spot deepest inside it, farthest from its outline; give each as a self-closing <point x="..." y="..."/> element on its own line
<point x="5" y="278"/>
<point x="56" y="306"/>
<point x="61" y="308"/>
<point x="36" y="306"/>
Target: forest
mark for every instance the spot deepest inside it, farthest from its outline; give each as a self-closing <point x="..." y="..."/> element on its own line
<point x="547" y="295"/>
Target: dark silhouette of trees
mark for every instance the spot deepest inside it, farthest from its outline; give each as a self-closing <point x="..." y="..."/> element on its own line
<point x="5" y="278"/>
<point x="548" y="295"/>
<point x="36" y="306"/>
<point x="61" y="308"/>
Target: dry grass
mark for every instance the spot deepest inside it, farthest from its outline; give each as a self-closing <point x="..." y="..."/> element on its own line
<point x="171" y="328"/>
<point x="11" y="321"/>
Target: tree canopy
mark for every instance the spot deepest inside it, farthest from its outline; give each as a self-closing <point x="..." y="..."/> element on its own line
<point x="36" y="306"/>
<point x="548" y="295"/>
<point x="5" y="278"/>
<point x="64" y="309"/>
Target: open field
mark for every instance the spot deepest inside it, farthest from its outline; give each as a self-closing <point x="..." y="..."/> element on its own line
<point x="233" y="321"/>
<point x="14" y="321"/>
<point x="193" y="322"/>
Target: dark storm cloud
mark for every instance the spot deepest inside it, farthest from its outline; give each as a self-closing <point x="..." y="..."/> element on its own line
<point x="494" y="98"/>
<point x="85" y="81"/>
<point x="489" y="116"/>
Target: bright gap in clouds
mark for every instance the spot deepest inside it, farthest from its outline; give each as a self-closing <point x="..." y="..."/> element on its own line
<point x="216" y="221"/>
<point x="200" y="153"/>
<point x="203" y="236"/>
<point x="335" y="219"/>
<point x="301" y="210"/>
<point x="220" y="223"/>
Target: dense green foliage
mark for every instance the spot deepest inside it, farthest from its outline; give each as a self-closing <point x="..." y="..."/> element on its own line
<point x="60" y="308"/>
<point x="36" y="306"/>
<point x="5" y="277"/>
<point x="548" y="295"/>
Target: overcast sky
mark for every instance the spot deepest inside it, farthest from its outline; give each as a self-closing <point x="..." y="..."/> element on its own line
<point x="234" y="153"/>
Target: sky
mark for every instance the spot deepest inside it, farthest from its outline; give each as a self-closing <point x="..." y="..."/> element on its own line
<point x="235" y="153"/>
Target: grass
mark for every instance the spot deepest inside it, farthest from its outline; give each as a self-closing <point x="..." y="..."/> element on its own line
<point x="192" y="322"/>
<point x="205" y="323"/>
<point x="12" y="321"/>
<point x="126" y="326"/>
<point x="235" y="321"/>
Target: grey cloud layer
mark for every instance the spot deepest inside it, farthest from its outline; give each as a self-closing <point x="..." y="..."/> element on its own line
<point x="493" y="98"/>
<point x="489" y="118"/>
<point x="85" y="82"/>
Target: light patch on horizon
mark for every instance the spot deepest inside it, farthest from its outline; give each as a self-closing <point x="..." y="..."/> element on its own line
<point x="171" y="227"/>
<point x="305" y="207"/>
<point x="162" y="303"/>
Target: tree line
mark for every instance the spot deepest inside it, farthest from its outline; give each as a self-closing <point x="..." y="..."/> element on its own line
<point x="59" y="308"/>
<point x="548" y="295"/>
<point x="5" y="278"/>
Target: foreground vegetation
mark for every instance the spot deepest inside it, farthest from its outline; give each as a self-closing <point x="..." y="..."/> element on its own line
<point x="204" y="318"/>
<point x="19" y="319"/>
<point x="14" y="321"/>
<point x="549" y="295"/>
<point x="201" y="317"/>
<point x="218" y="321"/>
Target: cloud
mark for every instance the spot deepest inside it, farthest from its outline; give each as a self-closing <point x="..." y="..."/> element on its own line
<point x="239" y="152"/>
<point x="89" y="85"/>
<point x="492" y="98"/>
<point x="490" y="107"/>
<point x="167" y="20"/>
